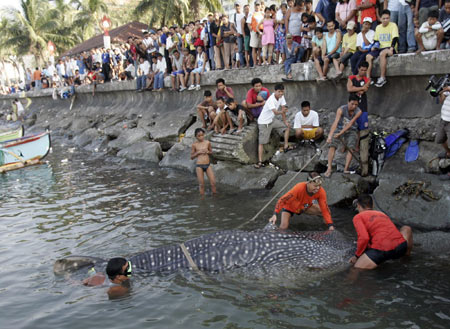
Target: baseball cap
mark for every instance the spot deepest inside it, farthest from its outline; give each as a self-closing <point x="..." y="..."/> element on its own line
<point x="288" y="36"/>
<point x="367" y="19"/>
<point x="351" y="25"/>
<point x="237" y="4"/>
<point x="257" y="3"/>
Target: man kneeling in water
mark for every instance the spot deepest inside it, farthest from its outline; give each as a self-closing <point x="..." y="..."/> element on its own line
<point x="378" y="238"/>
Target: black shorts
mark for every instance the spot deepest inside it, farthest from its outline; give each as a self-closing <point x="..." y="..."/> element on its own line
<point x="380" y="256"/>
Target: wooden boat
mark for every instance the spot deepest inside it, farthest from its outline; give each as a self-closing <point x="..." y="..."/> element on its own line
<point x="24" y="151"/>
<point x="12" y="134"/>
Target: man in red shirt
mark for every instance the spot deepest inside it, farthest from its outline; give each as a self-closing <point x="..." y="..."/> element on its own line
<point x="256" y="98"/>
<point x="300" y="200"/>
<point x="378" y="238"/>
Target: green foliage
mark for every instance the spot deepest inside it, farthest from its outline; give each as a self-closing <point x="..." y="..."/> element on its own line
<point x="69" y="22"/>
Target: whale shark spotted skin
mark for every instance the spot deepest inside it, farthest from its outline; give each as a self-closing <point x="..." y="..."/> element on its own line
<point x="227" y="250"/>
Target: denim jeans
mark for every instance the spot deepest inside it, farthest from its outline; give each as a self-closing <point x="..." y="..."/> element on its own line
<point x="287" y="64"/>
<point x="141" y="82"/>
<point x="211" y="57"/>
<point x="240" y="43"/>
<point x="394" y="17"/>
<point x="357" y="58"/>
<point x="159" y="80"/>
<point x="407" y="40"/>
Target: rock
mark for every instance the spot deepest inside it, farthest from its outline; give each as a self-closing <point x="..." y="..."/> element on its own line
<point x="245" y="177"/>
<point x="128" y="137"/>
<point x="86" y="137"/>
<point x="296" y="159"/>
<point x="179" y="157"/>
<point x="340" y="188"/>
<point x="80" y="124"/>
<point x="142" y="150"/>
<point x="411" y="209"/>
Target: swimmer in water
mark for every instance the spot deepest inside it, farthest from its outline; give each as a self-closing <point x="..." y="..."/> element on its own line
<point x="300" y="199"/>
<point x="118" y="271"/>
<point x="201" y="149"/>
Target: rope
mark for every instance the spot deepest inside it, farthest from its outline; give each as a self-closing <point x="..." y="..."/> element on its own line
<point x="14" y="155"/>
<point x="319" y="151"/>
<point x="189" y="258"/>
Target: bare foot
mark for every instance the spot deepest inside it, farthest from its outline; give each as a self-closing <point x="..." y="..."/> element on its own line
<point x="327" y="174"/>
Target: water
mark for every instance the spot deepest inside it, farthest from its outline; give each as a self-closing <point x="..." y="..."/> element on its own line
<point x="104" y="208"/>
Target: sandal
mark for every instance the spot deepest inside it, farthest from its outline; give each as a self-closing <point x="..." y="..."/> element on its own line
<point x="258" y="165"/>
<point x="349" y="172"/>
<point x="287" y="149"/>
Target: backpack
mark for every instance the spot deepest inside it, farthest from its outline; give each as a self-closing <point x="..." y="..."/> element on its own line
<point x="394" y="141"/>
<point x="376" y="152"/>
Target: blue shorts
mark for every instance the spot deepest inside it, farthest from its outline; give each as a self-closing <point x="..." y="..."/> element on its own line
<point x="198" y="70"/>
<point x="175" y="73"/>
<point x="376" y="52"/>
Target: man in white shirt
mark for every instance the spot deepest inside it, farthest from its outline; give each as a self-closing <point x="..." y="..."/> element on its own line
<point x="306" y="123"/>
<point x="236" y="19"/>
<point x="364" y="43"/>
<point x="430" y="34"/>
<point x="143" y="71"/>
<point x="443" y="133"/>
<point x="161" y="68"/>
<point x="267" y="121"/>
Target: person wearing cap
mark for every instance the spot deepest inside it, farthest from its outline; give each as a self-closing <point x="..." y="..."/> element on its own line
<point x="367" y="8"/>
<point x="364" y="43"/>
<point x="378" y="238"/>
<point x="301" y="199"/>
<point x="348" y="46"/>
<point x="290" y="53"/>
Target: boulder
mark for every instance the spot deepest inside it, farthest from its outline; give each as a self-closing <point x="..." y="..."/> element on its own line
<point x="86" y="137"/>
<point x="80" y="124"/>
<point x="128" y="137"/>
<point x="415" y="209"/>
<point x="179" y="157"/>
<point x="296" y="159"/>
<point x="142" y="150"/>
<point x="245" y="177"/>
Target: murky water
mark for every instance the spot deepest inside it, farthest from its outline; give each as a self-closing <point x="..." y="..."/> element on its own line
<point x="104" y="208"/>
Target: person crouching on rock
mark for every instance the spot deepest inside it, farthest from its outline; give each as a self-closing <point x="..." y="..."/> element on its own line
<point x="378" y="238"/>
<point x="201" y="149"/>
<point x="300" y="199"/>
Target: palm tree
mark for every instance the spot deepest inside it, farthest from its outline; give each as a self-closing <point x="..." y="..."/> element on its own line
<point x="88" y="17"/>
<point x="29" y="30"/>
<point x="171" y="11"/>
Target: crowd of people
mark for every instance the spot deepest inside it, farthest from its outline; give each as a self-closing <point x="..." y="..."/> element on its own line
<point x="338" y="33"/>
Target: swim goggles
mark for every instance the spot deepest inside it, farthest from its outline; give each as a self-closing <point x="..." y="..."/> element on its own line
<point x="128" y="270"/>
<point x="316" y="180"/>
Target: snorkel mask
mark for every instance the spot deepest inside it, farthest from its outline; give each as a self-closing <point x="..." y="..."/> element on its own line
<point x="129" y="270"/>
<point x="316" y="180"/>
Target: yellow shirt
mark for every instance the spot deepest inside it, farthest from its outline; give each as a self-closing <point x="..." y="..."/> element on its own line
<point x="385" y="35"/>
<point x="349" y="42"/>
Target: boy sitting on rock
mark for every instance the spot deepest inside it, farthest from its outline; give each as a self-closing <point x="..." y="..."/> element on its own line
<point x="206" y="110"/>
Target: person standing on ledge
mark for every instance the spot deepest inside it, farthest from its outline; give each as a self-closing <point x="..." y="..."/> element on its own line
<point x="378" y="238"/>
<point x="300" y="199"/>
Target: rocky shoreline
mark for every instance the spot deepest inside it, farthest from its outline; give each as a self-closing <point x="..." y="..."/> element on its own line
<point x="158" y="127"/>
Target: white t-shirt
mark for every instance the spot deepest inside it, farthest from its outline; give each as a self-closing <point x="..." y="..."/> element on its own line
<point x="267" y="115"/>
<point x="445" y="111"/>
<point x="236" y="20"/>
<point x="161" y="65"/>
<point x="20" y="109"/>
<point x="369" y="36"/>
<point x="145" y="67"/>
<point x="311" y="120"/>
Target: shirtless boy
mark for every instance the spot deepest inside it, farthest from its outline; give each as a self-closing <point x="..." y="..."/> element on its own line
<point x="201" y="149"/>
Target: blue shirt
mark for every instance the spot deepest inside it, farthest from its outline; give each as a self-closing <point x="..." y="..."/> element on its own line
<point x="105" y="58"/>
<point x="327" y="9"/>
<point x="81" y="66"/>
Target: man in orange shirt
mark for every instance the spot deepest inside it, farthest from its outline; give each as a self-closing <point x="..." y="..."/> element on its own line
<point x="37" y="78"/>
<point x="300" y="200"/>
<point x="378" y="238"/>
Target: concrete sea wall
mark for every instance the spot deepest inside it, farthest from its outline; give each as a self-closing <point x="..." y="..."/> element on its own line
<point x="149" y="126"/>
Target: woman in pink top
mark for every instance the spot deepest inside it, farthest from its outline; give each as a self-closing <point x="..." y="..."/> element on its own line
<point x="345" y="12"/>
<point x="268" y="37"/>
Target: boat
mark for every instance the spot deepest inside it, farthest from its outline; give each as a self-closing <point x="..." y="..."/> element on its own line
<point x="12" y="134"/>
<point x="24" y="151"/>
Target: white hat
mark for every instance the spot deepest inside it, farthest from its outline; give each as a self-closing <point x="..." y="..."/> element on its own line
<point x="367" y="19"/>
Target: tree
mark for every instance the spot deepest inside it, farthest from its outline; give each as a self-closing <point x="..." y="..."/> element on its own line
<point x="88" y="17"/>
<point x="29" y="30"/>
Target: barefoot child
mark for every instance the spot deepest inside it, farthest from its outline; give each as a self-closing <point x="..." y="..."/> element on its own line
<point x="201" y="149"/>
